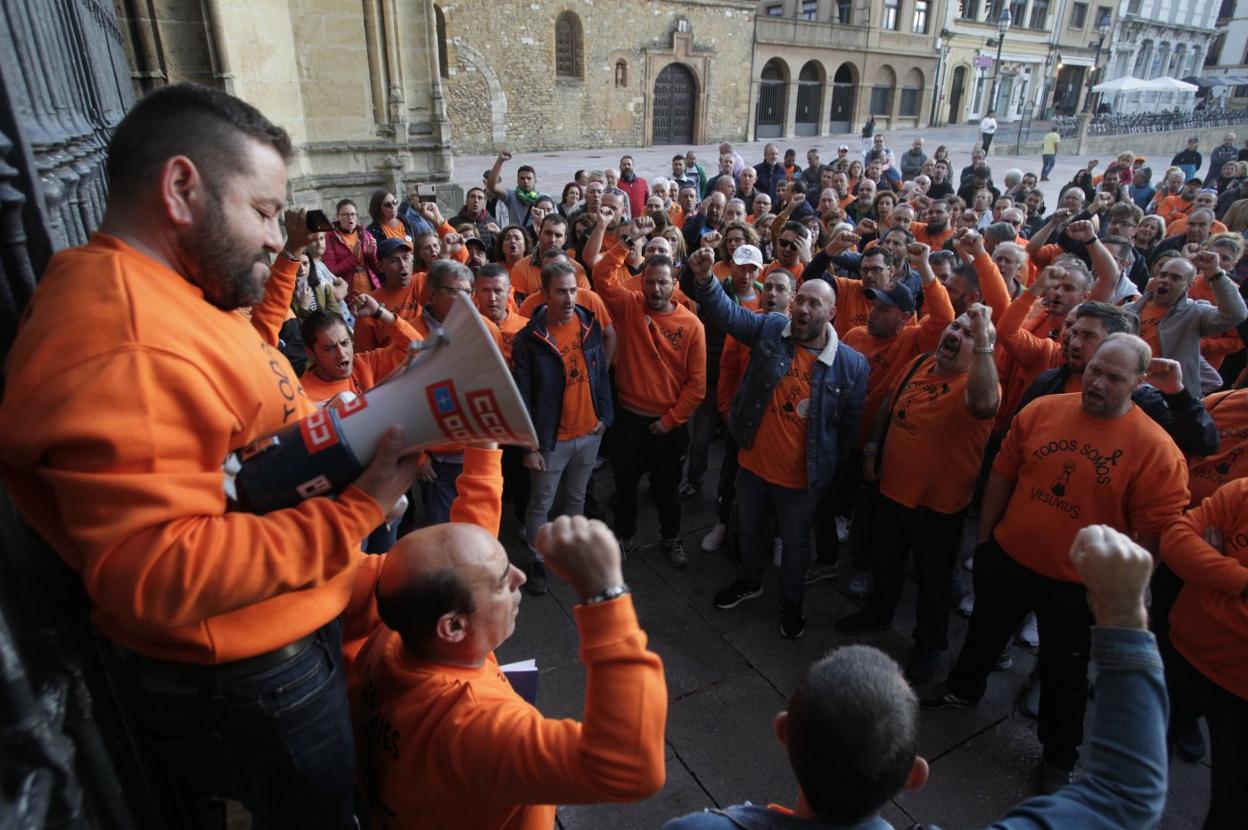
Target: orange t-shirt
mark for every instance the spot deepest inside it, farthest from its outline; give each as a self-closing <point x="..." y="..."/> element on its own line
<point x="586" y="298"/>
<point x="1179" y="227"/>
<point x="512" y="324"/>
<point x="935" y="446"/>
<point x="796" y="270"/>
<point x="578" y="416"/>
<point x="1071" y="470"/>
<point x="394" y="230"/>
<point x="1150" y="322"/>
<point x="526" y="278"/>
<point x="111" y="442"/>
<point x="1229" y="411"/>
<point x="852" y="306"/>
<point x="1209" y="620"/>
<point x="778" y="454"/>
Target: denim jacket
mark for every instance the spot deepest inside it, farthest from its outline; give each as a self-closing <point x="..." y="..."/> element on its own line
<point x="838" y="382"/>
<point x="1125" y="782"/>
<point x="539" y="373"/>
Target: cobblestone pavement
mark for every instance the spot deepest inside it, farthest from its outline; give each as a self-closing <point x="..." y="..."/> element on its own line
<point x="556" y="168"/>
<point x="730" y="672"/>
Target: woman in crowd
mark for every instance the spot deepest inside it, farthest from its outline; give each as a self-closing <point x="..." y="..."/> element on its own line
<point x="351" y="252"/>
<point x="1151" y="231"/>
<point x="383" y="208"/>
<point x="514" y="244"/>
<point x="570" y="199"/>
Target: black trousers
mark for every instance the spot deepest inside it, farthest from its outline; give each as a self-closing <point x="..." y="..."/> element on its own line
<point x="727" y="493"/>
<point x="935" y="539"/>
<point x="516" y="481"/>
<point x="638" y="451"/>
<point x="1191" y="696"/>
<point x="1004" y="592"/>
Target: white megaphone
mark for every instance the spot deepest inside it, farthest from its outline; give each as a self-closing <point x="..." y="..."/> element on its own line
<point x="455" y="389"/>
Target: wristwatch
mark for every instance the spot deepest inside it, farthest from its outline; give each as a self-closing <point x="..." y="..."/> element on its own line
<point x="287" y="255"/>
<point x="1217" y="275"/>
<point x="607" y="595"/>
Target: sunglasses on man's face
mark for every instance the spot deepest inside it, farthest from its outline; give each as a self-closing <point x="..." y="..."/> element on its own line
<point x="786" y="243"/>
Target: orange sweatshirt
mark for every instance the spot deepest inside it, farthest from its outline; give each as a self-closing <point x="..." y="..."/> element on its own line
<point x="1017" y="377"/>
<point x="1174" y="208"/>
<point x="992" y="287"/>
<point x="371" y="333"/>
<point x="1071" y="470"/>
<point x="1229" y="411"/>
<point x="660" y="365"/>
<point x="453" y="746"/>
<point x="111" y="442"/>
<point x="367" y="369"/>
<point x="732" y="362"/>
<point x="888" y="357"/>
<point x="510" y="327"/>
<point x="1209" y="621"/>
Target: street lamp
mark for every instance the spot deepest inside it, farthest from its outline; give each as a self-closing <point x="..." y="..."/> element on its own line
<point x="1003" y="26"/>
<point x="1102" y="29"/>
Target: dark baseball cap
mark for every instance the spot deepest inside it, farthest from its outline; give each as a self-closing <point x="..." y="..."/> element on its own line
<point x="899" y="295"/>
<point x="391" y="246"/>
<point x="473" y="240"/>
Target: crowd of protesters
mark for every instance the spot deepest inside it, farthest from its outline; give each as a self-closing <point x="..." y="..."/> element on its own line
<point x="892" y="349"/>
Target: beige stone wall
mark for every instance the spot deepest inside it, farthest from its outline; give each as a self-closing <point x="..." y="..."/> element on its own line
<point x="502" y="90"/>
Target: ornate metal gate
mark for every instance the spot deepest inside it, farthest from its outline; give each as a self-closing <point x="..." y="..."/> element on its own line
<point x="65" y="759"/>
<point x="675" y="99"/>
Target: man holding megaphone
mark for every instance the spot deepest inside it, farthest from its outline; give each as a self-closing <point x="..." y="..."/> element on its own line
<point x="117" y="415"/>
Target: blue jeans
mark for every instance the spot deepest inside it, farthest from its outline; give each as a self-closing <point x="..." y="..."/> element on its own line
<point x="439" y="493"/>
<point x="279" y="739"/>
<point x="1048" y="160"/>
<point x="757" y="501"/>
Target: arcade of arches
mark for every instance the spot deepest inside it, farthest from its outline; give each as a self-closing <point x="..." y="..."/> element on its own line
<point x="827" y="98"/>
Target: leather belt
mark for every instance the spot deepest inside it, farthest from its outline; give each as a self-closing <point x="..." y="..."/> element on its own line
<point x="173" y="677"/>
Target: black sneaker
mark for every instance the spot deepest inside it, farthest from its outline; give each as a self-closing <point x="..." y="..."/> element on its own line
<point x="792" y="623"/>
<point x="674" y="550"/>
<point x="1190" y="744"/>
<point x="735" y="594"/>
<point x="861" y="623"/>
<point x="939" y="697"/>
<point x="535" y="584"/>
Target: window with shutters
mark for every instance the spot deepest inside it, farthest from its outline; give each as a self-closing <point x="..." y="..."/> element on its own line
<point x="568" y="59"/>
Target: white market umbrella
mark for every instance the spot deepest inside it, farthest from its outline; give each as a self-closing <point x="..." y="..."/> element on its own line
<point x="1170" y="85"/>
<point x="1124" y="84"/>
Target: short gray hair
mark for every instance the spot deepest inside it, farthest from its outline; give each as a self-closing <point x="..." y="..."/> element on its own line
<point x="443" y="271"/>
<point x="1143" y="352"/>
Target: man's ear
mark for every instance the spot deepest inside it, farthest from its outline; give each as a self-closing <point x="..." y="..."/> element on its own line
<point x="780" y="725"/>
<point x="452" y="627"/>
<point x="181" y="190"/>
<point x="917" y="777"/>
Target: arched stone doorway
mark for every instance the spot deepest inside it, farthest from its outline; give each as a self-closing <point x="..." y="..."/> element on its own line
<point x="772" y="100"/>
<point x="841" y="112"/>
<point x="675" y="102"/>
<point x="956" y="92"/>
<point x="809" y="98"/>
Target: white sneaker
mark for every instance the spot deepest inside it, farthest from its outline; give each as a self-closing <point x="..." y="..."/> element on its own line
<point x="1029" y="634"/>
<point x="967" y="605"/>
<point x="842" y="529"/>
<point x="777" y="551"/>
<point x="714" y="539"/>
<point x="860" y="583"/>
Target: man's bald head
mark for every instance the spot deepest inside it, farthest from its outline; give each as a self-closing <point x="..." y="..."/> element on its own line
<point x="436" y="587"/>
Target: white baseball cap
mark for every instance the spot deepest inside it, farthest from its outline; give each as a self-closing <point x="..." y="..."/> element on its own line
<point x="748" y="255"/>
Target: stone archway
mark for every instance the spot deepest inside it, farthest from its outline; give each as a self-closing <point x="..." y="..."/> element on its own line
<point x="674" y="106"/>
<point x="497" y="97"/>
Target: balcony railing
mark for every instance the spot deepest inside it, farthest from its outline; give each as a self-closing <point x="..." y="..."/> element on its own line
<point x="810" y="33"/>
